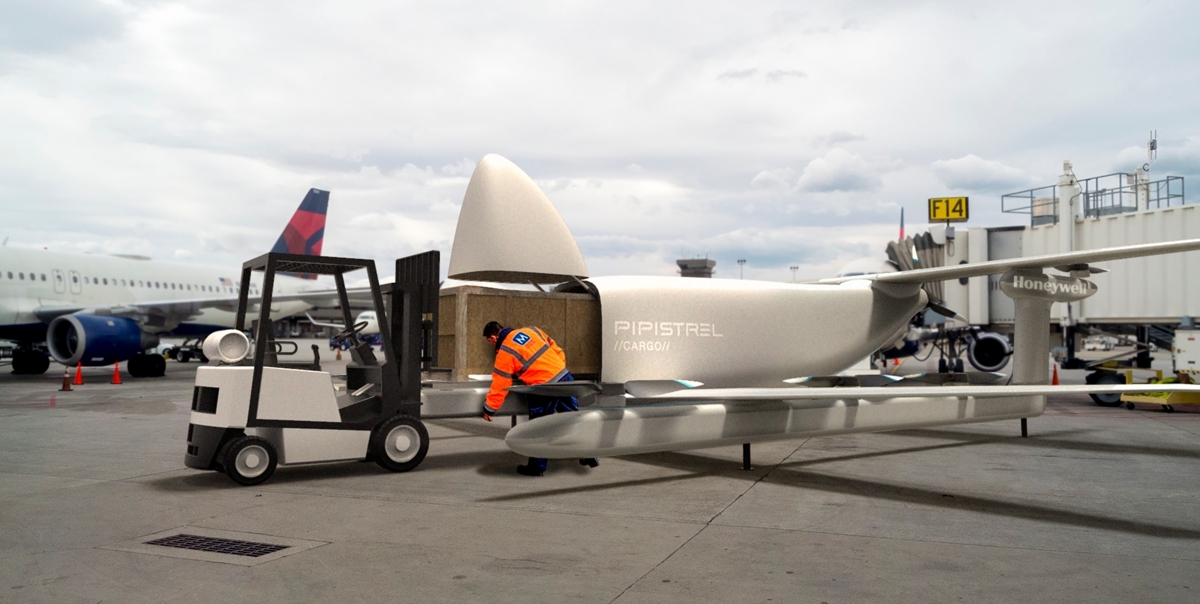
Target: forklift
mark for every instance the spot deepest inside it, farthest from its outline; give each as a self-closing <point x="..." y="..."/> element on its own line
<point x="251" y="414"/>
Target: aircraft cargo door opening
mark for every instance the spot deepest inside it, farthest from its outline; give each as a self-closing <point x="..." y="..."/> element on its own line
<point x="572" y="318"/>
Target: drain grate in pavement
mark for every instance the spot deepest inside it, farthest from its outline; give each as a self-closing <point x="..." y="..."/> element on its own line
<point x="217" y="545"/>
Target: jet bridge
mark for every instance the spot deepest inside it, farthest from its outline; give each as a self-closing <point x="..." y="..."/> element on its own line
<point x="1145" y="296"/>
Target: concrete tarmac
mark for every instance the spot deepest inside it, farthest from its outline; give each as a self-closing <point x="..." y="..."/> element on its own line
<point x="1097" y="505"/>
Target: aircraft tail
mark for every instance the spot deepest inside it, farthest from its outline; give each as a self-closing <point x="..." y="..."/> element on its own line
<point x="305" y="232"/>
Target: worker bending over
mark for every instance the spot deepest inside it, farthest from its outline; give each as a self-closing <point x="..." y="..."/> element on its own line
<point x="530" y="355"/>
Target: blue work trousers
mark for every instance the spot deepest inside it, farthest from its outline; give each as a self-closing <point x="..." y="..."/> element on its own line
<point x="549" y="405"/>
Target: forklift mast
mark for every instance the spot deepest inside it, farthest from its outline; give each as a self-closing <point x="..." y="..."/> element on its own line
<point x="414" y="320"/>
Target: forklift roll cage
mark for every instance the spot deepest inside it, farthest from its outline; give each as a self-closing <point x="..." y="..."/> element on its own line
<point x="413" y="319"/>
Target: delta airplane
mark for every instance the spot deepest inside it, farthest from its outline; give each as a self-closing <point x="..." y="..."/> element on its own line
<point x="103" y="309"/>
<point x="694" y="363"/>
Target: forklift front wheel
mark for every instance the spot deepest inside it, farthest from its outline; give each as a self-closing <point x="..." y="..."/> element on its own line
<point x="249" y="460"/>
<point x="400" y="443"/>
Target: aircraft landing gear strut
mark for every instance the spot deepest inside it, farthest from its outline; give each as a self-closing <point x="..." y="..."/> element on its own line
<point x="746" y="457"/>
<point x="1024" y="427"/>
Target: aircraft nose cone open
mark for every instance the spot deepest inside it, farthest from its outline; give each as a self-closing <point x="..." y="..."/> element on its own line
<point x="508" y="231"/>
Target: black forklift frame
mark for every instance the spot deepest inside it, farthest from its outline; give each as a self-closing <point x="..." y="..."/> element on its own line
<point x="392" y="399"/>
<point x="414" y="321"/>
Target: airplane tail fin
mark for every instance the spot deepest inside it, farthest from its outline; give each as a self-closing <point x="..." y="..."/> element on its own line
<point x="305" y="232"/>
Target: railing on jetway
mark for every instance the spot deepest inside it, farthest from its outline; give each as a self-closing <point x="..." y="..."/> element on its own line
<point x="1105" y="195"/>
<point x="1040" y="203"/>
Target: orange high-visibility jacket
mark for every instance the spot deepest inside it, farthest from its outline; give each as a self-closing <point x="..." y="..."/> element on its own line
<point x="527" y="354"/>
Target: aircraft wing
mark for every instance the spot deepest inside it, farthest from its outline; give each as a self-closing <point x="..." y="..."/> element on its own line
<point x="182" y="310"/>
<point x="868" y="393"/>
<point x="1064" y="262"/>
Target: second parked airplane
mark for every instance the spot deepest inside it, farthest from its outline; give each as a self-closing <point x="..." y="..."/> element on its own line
<point x="102" y="309"/>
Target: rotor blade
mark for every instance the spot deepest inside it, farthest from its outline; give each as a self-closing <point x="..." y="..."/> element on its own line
<point x="895" y="392"/>
<point x="959" y="271"/>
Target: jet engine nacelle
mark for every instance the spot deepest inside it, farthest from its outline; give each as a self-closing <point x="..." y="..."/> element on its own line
<point x="989" y="352"/>
<point x="96" y="340"/>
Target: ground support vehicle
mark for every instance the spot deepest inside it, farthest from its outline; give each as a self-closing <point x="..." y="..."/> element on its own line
<point x="1166" y="400"/>
<point x="190" y="348"/>
<point x="1113" y="369"/>
<point x="250" y="415"/>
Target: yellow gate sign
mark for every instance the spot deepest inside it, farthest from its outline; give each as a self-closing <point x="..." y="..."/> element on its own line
<point x="948" y="209"/>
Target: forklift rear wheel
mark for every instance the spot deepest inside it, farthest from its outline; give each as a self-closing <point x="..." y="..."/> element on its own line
<point x="1130" y="406"/>
<point x="249" y="460"/>
<point x="400" y="443"/>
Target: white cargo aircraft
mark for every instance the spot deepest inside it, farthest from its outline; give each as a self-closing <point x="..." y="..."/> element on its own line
<point x="754" y="347"/>
<point x="99" y="310"/>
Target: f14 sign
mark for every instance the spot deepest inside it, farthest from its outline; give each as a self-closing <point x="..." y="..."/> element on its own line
<point x="948" y="209"/>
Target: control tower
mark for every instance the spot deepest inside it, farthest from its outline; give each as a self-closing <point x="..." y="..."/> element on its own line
<point x="696" y="267"/>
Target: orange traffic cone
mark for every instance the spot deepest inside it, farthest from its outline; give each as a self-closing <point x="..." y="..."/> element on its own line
<point x="339" y="354"/>
<point x="66" y="387"/>
<point x="116" y="373"/>
<point x="79" y="374"/>
<point x="1054" y="381"/>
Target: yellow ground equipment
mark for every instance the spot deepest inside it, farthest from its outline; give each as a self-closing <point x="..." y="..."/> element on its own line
<point x="1167" y="400"/>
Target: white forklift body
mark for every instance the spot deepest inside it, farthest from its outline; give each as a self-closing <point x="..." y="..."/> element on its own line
<point x="287" y="394"/>
<point x="248" y="418"/>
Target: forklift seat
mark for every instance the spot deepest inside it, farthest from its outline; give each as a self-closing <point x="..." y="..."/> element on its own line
<point x="364" y="410"/>
<point x="363" y="355"/>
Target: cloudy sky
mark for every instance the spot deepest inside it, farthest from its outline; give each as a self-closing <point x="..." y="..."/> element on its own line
<point x="785" y="133"/>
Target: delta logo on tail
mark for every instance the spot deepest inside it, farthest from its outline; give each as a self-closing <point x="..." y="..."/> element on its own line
<point x="306" y="230"/>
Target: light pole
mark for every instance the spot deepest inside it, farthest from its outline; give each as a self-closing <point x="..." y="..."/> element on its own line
<point x="794" y="269"/>
<point x="742" y="268"/>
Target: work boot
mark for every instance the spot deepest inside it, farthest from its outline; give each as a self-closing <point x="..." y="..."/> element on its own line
<point x="529" y="470"/>
<point x="590" y="462"/>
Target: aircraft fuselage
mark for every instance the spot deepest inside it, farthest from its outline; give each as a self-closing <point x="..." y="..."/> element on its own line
<point x="33" y="280"/>
<point x="725" y="332"/>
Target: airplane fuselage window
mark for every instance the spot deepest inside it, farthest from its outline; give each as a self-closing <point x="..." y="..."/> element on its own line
<point x="10" y="274"/>
<point x="74" y="279"/>
<point x="106" y="281"/>
<point x="43" y="276"/>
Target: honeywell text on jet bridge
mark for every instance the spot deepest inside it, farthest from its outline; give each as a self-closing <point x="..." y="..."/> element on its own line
<point x="643" y="330"/>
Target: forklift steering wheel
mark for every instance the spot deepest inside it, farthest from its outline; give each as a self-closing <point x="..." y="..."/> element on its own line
<point x="345" y="334"/>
